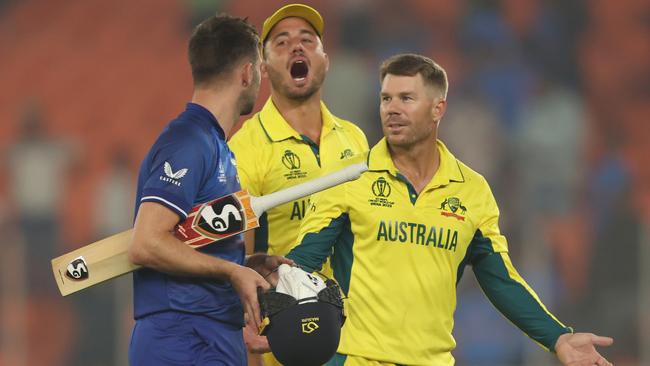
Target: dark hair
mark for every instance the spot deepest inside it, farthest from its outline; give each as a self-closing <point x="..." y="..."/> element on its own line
<point x="218" y="44"/>
<point x="409" y="64"/>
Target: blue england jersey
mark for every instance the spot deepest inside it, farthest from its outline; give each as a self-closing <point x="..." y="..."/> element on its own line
<point x="190" y="163"/>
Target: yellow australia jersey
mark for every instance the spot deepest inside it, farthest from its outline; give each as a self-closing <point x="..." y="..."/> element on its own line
<point x="272" y="156"/>
<point x="398" y="256"/>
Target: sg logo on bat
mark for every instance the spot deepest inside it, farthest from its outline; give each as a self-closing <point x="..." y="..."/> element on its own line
<point x="220" y="219"/>
<point x="77" y="270"/>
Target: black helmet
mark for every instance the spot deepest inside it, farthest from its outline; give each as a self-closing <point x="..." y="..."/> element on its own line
<point x="303" y="332"/>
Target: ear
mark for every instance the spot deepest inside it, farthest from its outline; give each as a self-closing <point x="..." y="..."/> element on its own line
<point x="265" y="73"/>
<point x="327" y="62"/>
<point x="247" y="74"/>
<point x="439" y="108"/>
<point x="321" y="49"/>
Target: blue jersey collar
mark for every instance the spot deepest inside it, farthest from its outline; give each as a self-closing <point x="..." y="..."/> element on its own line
<point x="205" y="115"/>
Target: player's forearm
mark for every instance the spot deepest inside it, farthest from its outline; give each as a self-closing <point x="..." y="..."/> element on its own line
<point x="165" y="253"/>
<point x="516" y="301"/>
<point x="316" y="246"/>
<point x="155" y="246"/>
<point x="311" y="253"/>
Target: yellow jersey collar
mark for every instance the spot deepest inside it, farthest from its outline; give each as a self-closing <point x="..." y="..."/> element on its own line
<point x="278" y="129"/>
<point x="448" y="171"/>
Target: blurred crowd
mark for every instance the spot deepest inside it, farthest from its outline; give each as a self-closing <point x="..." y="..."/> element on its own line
<point x="547" y="100"/>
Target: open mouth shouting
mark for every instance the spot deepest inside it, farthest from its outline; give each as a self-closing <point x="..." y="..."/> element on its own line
<point x="299" y="70"/>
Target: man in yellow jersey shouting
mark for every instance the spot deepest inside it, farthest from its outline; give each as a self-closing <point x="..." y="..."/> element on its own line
<point x="403" y="233"/>
<point x="294" y="137"/>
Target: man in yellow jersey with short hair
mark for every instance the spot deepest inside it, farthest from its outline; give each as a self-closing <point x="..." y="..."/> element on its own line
<point x="294" y="137"/>
<point x="403" y="233"/>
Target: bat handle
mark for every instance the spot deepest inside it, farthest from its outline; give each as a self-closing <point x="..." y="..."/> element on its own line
<point x="263" y="203"/>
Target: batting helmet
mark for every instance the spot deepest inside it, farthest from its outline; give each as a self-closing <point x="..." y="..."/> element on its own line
<point x="303" y="331"/>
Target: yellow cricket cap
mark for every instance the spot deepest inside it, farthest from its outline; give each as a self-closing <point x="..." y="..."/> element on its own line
<point x="311" y="15"/>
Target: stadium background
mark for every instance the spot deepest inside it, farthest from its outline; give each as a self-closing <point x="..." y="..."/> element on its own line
<point x="550" y="100"/>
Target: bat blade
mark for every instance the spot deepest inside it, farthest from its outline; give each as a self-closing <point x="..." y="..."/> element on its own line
<point x="93" y="263"/>
<point x="206" y="224"/>
<point x="108" y="258"/>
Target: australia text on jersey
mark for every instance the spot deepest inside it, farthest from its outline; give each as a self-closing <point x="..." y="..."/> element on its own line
<point x="299" y="209"/>
<point x="415" y="233"/>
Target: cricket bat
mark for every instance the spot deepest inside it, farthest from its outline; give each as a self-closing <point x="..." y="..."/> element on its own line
<point x="206" y="223"/>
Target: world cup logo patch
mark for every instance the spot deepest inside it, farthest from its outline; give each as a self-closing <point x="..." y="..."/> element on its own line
<point x="290" y="160"/>
<point x="381" y="188"/>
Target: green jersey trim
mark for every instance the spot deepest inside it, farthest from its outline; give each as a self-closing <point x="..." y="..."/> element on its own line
<point x="314" y="147"/>
<point x="316" y="247"/>
<point x="515" y="301"/>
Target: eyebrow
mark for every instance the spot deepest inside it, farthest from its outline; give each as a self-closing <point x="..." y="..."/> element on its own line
<point x="308" y="31"/>
<point x="302" y="31"/>
<point x="410" y="92"/>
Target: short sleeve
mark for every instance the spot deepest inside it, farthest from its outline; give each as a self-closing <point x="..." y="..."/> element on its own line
<point x="487" y="238"/>
<point x="176" y="173"/>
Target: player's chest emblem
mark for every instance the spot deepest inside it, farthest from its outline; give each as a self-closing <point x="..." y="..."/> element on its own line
<point x="453" y="207"/>
<point x="291" y="161"/>
<point x="346" y="154"/>
<point x="381" y="191"/>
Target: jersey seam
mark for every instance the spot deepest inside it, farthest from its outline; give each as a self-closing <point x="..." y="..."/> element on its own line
<point x="166" y="202"/>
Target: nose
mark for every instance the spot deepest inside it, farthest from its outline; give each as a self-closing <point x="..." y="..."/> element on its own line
<point x="391" y="107"/>
<point x="297" y="48"/>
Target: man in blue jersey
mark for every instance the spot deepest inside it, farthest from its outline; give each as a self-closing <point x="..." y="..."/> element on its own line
<point x="190" y="305"/>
